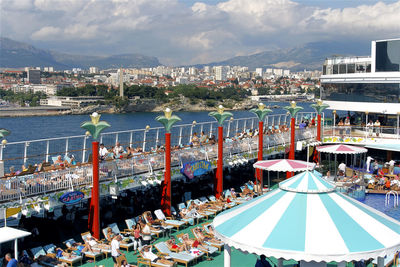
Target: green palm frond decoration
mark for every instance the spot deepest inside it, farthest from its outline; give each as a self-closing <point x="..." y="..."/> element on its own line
<point x="261" y="111"/>
<point x="220" y="116"/>
<point x="95" y="126"/>
<point x="4" y="132"/>
<point x="319" y="106"/>
<point x="293" y="109"/>
<point x="168" y="120"/>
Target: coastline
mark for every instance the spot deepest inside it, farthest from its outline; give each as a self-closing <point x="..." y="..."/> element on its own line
<point x="143" y="105"/>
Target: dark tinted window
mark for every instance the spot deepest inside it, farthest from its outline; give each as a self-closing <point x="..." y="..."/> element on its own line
<point x="357" y="92"/>
<point x="388" y="56"/>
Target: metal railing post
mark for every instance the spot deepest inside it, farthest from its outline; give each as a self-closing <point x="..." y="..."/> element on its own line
<point x="180" y="135"/>
<point x="211" y="128"/>
<point x="25" y="152"/>
<point x="66" y="146"/>
<point x="47" y="150"/>
<point x="116" y="138"/>
<point x="157" y="136"/>
<point x="237" y="126"/>
<point x="144" y="141"/>
<point x="229" y="128"/>
<point x="84" y="149"/>
<point x="252" y="124"/>
<point x="130" y="139"/>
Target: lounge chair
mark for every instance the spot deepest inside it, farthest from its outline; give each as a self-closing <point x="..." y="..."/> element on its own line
<point x="174" y="223"/>
<point x="47" y="257"/>
<point x="93" y="255"/>
<point x="155" y="229"/>
<point x="198" y="216"/>
<point x="181" y="257"/>
<point x="218" y="244"/>
<point x="209" y="249"/>
<point x="186" y="220"/>
<point x="101" y="245"/>
<point x="142" y="260"/>
<point x="207" y="211"/>
<point x="127" y="244"/>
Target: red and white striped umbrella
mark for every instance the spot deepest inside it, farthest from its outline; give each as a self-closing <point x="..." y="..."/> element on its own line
<point x="284" y="165"/>
<point x="341" y="149"/>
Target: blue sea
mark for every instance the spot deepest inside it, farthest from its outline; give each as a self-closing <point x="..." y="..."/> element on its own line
<point x="32" y="128"/>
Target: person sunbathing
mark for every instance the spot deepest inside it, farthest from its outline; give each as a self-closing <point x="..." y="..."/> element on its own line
<point x="192" y="243"/>
<point x="61" y="253"/>
<point x="204" y="237"/>
<point x="94" y="244"/>
<point x="148" y="254"/>
<point x="171" y="244"/>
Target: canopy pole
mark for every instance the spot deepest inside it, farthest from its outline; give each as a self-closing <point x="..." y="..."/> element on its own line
<point x="341" y="264"/>
<point x="381" y="262"/>
<point x="227" y="256"/>
<point x="16" y="249"/>
<point x="336" y="171"/>
<point x="280" y="262"/>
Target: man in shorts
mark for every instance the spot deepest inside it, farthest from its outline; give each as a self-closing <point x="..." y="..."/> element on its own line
<point x="115" y="252"/>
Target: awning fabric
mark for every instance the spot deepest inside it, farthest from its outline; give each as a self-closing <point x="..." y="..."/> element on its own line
<point x="311" y="224"/>
<point x="284" y="165"/>
<point x="390" y="147"/>
<point x="9" y="234"/>
<point x="341" y="149"/>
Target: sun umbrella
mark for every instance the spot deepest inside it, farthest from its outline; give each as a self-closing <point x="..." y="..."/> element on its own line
<point x="305" y="219"/>
<point x="284" y="165"/>
<point x="342" y="149"/>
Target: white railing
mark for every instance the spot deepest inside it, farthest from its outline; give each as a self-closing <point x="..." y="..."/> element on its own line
<point x="395" y="199"/>
<point x="56" y="179"/>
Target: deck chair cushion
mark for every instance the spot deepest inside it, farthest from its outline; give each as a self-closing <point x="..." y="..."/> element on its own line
<point x="130" y="223"/>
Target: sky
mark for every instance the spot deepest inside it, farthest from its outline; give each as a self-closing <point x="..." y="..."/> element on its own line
<point x="180" y="32"/>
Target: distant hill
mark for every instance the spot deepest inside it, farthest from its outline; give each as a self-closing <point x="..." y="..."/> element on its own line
<point x="15" y="54"/>
<point x="309" y="56"/>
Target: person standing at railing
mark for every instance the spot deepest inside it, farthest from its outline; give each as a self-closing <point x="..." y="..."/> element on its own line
<point x="103" y="152"/>
<point x="347" y="125"/>
<point x="341" y="125"/>
<point x="391" y="166"/>
<point x="118" y="149"/>
<point x="370" y="127"/>
<point x="377" y="126"/>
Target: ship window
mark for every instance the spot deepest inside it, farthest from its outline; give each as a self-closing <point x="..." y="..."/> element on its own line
<point x="342" y="68"/>
<point x="351" y="68"/>
<point x="335" y="69"/>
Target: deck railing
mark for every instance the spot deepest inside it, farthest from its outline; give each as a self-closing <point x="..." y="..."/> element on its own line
<point x="41" y="183"/>
<point x="46" y="150"/>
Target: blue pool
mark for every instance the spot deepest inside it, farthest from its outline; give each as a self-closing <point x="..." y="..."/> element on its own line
<point x="378" y="202"/>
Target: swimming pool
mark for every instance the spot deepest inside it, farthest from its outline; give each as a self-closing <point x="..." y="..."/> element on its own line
<point x="377" y="201"/>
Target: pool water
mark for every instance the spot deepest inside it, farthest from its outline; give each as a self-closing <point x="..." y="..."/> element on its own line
<point x="377" y="201"/>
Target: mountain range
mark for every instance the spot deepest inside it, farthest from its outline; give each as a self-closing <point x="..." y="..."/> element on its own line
<point x="309" y="56"/>
<point x="14" y="54"/>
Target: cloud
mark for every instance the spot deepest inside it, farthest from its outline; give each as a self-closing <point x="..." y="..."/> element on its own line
<point x="179" y="33"/>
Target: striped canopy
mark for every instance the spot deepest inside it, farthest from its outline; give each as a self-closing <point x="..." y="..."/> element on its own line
<point x="305" y="219"/>
<point x="341" y="149"/>
<point x="284" y="165"/>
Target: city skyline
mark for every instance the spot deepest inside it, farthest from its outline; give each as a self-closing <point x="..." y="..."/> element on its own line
<point x="190" y="32"/>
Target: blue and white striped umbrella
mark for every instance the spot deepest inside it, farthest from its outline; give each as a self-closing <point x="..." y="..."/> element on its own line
<point x="306" y="219"/>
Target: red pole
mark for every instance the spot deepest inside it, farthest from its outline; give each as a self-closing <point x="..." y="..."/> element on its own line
<point x="95" y="201"/>
<point x="260" y="151"/>
<point x="319" y="128"/>
<point x="166" y="190"/>
<point x="219" y="187"/>
<point x="292" y="143"/>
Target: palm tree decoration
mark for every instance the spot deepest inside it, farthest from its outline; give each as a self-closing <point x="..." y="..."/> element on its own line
<point x="220" y="116"/>
<point x="319" y="107"/>
<point x="260" y="112"/>
<point x="95" y="126"/>
<point x="292" y="109"/>
<point x="168" y="120"/>
<point x="4" y="133"/>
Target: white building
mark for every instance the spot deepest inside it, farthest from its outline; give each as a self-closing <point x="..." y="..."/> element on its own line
<point x="93" y="70"/>
<point x="259" y="72"/>
<point x="278" y="72"/>
<point x="192" y="71"/>
<point x="286" y="72"/>
<point x="221" y="73"/>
